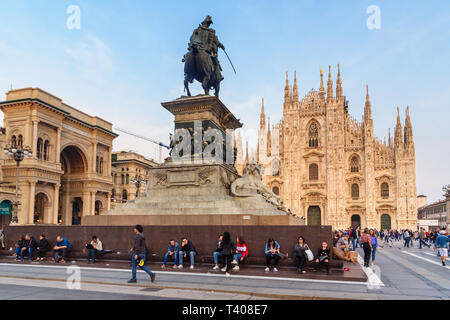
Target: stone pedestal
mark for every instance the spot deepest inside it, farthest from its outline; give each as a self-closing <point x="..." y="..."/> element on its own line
<point x="190" y="189"/>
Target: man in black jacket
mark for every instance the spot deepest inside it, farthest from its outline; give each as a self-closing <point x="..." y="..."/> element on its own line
<point x="43" y="248"/>
<point x="138" y="255"/>
<point x="29" y="246"/>
<point x="187" y="248"/>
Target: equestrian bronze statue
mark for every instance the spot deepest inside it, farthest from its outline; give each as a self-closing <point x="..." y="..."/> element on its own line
<point x="201" y="62"/>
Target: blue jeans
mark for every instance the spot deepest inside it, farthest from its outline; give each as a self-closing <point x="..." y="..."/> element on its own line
<point x="353" y="244"/>
<point x="237" y="257"/>
<point x="217" y="255"/>
<point x="191" y="255"/>
<point x="374" y="251"/>
<point x="358" y="242"/>
<point x="17" y="251"/>
<point x="167" y="256"/>
<point x="30" y="252"/>
<point x="134" y="264"/>
<point x="406" y="242"/>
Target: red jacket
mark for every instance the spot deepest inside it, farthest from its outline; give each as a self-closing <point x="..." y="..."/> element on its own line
<point x="242" y="248"/>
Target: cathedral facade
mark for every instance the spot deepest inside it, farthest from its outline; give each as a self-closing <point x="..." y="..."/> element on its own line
<point x="330" y="169"/>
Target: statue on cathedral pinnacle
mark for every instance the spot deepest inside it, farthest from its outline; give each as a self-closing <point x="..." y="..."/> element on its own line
<point x="201" y="62"/>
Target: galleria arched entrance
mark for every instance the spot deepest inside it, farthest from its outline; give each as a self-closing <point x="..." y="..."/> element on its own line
<point x="74" y="165"/>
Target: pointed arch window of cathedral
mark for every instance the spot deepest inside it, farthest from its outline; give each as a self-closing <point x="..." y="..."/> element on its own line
<point x="385" y="190"/>
<point x="355" y="191"/>
<point x="313" y="135"/>
<point x="354" y="164"/>
<point x="313" y="172"/>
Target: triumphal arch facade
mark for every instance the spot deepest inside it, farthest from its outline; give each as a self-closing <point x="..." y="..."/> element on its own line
<point x="69" y="174"/>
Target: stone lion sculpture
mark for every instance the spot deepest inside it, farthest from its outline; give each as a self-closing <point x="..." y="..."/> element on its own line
<point x="250" y="185"/>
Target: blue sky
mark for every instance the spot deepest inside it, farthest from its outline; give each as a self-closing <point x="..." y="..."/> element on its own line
<point x="126" y="59"/>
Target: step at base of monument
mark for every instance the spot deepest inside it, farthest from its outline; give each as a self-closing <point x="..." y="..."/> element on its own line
<point x="356" y="274"/>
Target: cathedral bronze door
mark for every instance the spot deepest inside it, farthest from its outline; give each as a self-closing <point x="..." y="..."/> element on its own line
<point x="314" y="216"/>
<point x="385" y="222"/>
<point x="356" y="220"/>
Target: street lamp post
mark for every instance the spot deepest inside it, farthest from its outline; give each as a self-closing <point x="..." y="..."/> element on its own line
<point x="138" y="182"/>
<point x="18" y="153"/>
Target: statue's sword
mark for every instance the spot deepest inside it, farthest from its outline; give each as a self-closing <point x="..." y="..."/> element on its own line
<point x="230" y="61"/>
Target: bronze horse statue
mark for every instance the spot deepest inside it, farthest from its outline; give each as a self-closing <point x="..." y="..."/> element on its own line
<point x="198" y="65"/>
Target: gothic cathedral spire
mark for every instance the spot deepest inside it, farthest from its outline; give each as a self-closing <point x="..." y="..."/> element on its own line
<point x="339" y="94"/>
<point x="262" y="121"/>
<point x="322" y="89"/>
<point x="330" y="96"/>
<point x="408" y="130"/>
<point x="398" y="137"/>
<point x="368" y="107"/>
<point x="295" y="89"/>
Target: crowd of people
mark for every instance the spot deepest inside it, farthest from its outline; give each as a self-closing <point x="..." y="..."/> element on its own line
<point x="345" y="241"/>
<point x="232" y="254"/>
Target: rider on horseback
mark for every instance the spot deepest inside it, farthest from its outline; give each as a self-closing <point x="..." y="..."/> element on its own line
<point x="205" y="39"/>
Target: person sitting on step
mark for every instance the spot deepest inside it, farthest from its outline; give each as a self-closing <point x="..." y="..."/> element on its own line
<point x="173" y="251"/>
<point x="241" y="252"/>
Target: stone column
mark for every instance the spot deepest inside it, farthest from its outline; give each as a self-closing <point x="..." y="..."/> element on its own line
<point x="31" y="202"/>
<point x="54" y="217"/>
<point x="108" y="201"/>
<point x="58" y="145"/>
<point x="66" y="210"/>
<point x="86" y="204"/>
<point x="34" y="138"/>
<point x="93" y="203"/>
<point x="94" y="156"/>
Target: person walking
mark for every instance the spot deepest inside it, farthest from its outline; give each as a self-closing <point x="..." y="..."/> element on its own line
<point x="422" y="237"/>
<point x="358" y="236"/>
<point x="441" y="245"/>
<point x="366" y="243"/>
<point x="138" y="255"/>
<point x="374" y="241"/>
<point x="406" y="238"/>
<point x="2" y="237"/>
<point x="353" y="237"/>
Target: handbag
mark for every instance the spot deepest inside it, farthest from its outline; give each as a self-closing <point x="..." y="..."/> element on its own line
<point x="281" y="255"/>
<point x="309" y="255"/>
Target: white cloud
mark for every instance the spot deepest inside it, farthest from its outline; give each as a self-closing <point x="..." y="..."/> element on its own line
<point x="92" y="52"/>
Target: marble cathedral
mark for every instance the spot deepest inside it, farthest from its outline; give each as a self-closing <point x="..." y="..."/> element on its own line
<point x="330" y="169"/>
